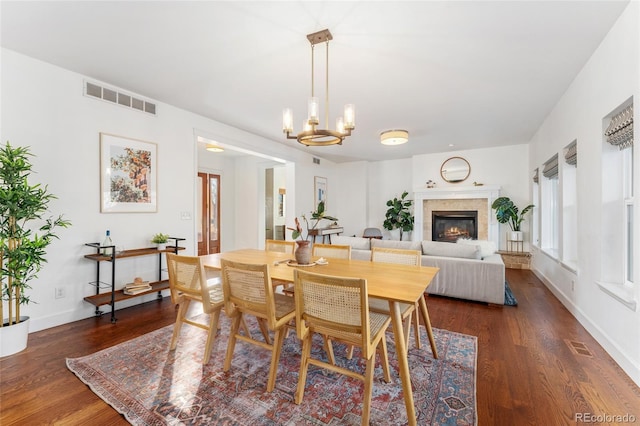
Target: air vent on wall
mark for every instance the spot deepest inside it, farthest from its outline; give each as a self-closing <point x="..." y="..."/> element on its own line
<point x="95" y="90"/>
<point x="316" y="160"/>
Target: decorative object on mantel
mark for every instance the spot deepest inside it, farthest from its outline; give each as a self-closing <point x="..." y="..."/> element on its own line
<point x="394" y="137"/>
<point x="477" y="183"/>
<point x="507" y="212"/>
<point x="303" y="248"/>
<point x="455" y="170"/>
<point x="310" y="134"/>
<point x="431" y="184"/>
<point x="399" y="215"/>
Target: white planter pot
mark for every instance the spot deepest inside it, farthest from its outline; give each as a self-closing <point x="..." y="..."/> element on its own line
<point x="13" y="338"/>
<point x="516" y="236"/>
<point x="162" y="246"/>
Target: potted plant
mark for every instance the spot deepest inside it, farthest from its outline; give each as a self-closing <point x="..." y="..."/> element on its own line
<point x="303" y="249"/>
<point x="507" y="212"/>
<point x="161" y="240"/>
<point x="399" y="215"/>
<point x="25" y="234"/>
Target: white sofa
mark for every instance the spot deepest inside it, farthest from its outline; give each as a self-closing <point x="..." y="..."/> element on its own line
<point x="471" y="271"/>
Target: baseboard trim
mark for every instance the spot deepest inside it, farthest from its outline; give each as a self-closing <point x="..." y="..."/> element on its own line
<point x="619" y="356"/>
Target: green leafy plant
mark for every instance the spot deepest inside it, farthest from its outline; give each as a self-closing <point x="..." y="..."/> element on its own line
<point x="507" y="212"/>
<point x="160" y="238"/>
<point x="24" y="231"/>
<point x="316" y="216"/>
<point x="399" y="215"/>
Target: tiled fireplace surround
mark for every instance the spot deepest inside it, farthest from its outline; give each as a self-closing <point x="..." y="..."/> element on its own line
<point x="477" y="198"/>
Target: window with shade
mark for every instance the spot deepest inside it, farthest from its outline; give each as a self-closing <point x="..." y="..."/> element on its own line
<point x="549" y="208"/>
<point x="569" y="254"/>
<point x="618" y="198"/>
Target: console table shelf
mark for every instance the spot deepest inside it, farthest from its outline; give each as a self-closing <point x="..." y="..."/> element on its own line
<point x="112" y="296"/>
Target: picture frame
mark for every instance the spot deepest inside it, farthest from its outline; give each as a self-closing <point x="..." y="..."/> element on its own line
<point x="128" y="175"/>
<point x="320" y="190"/>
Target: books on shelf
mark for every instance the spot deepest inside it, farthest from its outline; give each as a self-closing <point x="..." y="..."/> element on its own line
<point x="137" y="287"/>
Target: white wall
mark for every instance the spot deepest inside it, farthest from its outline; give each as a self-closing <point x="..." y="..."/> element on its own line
<point x="49" y="113"/>
<point x="608" y="79"/>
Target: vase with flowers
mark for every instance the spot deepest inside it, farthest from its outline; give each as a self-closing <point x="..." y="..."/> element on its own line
<point x="303" y="244"/>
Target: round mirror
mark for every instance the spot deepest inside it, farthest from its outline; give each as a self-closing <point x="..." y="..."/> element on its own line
<point x="455" y="169"/>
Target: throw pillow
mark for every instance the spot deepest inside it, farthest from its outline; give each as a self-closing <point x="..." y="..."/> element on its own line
<point x="487" y="248"/>
<point x="404" y="245"/>
<point x="439" y="248"/>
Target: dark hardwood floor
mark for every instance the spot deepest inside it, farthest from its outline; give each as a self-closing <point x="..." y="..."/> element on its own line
<point x="536" y="364"/>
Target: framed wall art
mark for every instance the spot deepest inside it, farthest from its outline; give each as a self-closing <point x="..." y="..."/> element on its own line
<point x="320" y="190"/>
<point x="128" y="175"/>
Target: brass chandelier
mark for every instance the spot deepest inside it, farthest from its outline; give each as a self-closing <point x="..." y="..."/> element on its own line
<point x="311" y="135"/>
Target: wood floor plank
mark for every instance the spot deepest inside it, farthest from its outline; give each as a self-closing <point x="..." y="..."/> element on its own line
<point x="528" y="374"/>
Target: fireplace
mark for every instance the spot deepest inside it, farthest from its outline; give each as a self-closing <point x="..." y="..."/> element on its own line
<point x="449" y="226"/>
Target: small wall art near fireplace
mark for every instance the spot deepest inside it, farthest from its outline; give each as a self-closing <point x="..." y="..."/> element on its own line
<point x="449" y="226"/>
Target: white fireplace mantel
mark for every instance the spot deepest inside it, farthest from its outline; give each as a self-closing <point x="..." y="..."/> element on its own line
<point x="488" y="192"/>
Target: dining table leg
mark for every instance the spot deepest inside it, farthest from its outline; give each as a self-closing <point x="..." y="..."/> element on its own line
<point x="403" y="361"/>
<point x="427" y="323"/>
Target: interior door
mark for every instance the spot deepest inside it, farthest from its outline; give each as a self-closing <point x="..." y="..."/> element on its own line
<point x="208" y="213"/>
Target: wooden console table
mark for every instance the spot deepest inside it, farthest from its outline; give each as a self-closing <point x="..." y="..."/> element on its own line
<point x="325" y="232"/>
<point x="113" y="296"/>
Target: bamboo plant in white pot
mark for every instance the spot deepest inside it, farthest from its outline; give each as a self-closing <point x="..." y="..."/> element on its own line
<point x="25" y="234"/>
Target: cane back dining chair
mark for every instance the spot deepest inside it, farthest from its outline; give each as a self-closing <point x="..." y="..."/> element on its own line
<point x="409" y="312"/>
<point x="334" y="251"/>
<point x="338" y="308"/>
<point x="280" y="246"/>
<point x="187" y="283"/>
<point x="248" y="290"/>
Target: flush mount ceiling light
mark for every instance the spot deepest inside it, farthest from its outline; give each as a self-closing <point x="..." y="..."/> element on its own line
<point x="310" y="134"/>
<point x="214" y="148"/>
<point x="394" y="137"/>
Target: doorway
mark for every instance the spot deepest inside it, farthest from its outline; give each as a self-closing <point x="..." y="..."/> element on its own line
<point x="208" y="213"/>
<point x="274" y="202"/>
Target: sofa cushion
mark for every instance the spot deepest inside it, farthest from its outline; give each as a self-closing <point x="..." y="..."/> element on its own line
<point x="439" y="248"/>
<point x="487" y="248"/>
<point x="356" y="243"/>
<point x="405" y="245"/>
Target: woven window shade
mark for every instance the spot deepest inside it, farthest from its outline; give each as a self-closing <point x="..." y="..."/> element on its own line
<point x="550" y="170"/>
<point x="620" y="129"/>
<point x="535" y="176"/>
<point x="571" y="153"/>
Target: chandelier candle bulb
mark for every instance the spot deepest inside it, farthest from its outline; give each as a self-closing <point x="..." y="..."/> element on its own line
<point x="314" y="106"/>
<point x="349" y="116"/>
<point x="287" y="120"/>
<point x="340" y="125"/>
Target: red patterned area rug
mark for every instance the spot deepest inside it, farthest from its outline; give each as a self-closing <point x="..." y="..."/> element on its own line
<point x="150" y="385"/>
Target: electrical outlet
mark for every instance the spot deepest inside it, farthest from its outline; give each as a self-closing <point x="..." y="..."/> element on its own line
<point x="60" y="293"/>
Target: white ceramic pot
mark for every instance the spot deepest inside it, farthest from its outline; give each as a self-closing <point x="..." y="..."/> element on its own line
<point x="516" y="236"/>
<point x="162" y="246"/>
<point x="13" y="338"/>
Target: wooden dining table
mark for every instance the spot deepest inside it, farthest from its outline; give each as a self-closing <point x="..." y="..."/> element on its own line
<point x="392" y="282"/>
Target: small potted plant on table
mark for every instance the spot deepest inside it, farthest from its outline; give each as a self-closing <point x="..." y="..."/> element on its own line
<point x="161" y="240"/>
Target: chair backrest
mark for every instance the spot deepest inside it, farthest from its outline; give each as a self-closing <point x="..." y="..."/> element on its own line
<point x="187" y="276"/>
<point x="399" y="256"/>
<point x="334" y="251"/>
<point x="332" y="306"/>
<point x="372" y="233"/>
<point x="280" y="246"/>
<point x="247" y="287"/>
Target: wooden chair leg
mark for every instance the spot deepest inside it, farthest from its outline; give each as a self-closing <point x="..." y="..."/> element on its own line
<point x="349" y="351"/>
<point x="368" y="390"/>
<point x="384" y="359"/>
<point x="427" y="324"/>
<point x="265" y="330"/>
<point x="328" y="348"/>
<point x="235" y="325"/>
<point x="182" y="311"/>
<point x="304" y="366"/>
<point x="275" y="357"/>
<point x="416" y="326"/>
<point x="211" y="335"/>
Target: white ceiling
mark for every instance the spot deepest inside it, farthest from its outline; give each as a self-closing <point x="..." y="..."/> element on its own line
<point x="457" y="75"/>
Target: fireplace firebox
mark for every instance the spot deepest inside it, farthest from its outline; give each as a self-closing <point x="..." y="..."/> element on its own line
<point x="449" y="226"/>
